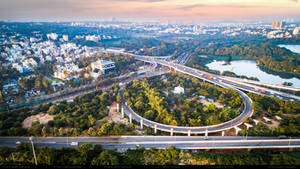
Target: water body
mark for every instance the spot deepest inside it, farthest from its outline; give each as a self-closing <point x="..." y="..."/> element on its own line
<point x="250" y="69"/>
<point x="293" y="48"/>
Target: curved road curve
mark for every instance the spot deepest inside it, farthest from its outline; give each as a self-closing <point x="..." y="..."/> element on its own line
<point x="247" y="112"/>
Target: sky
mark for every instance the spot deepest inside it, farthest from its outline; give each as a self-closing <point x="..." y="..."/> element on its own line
<point x="148" y="10"/>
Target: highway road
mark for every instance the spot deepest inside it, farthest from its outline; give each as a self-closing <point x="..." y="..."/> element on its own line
<point x="181" y="142"/>
<point x="220" y="80"/>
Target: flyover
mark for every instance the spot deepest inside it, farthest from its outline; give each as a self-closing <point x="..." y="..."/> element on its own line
<point x="180" y="142"/>
<point x="216" y="79"/>
<point x="247" y="112"/>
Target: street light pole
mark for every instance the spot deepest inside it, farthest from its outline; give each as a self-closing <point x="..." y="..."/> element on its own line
<point x="31" y="138"/>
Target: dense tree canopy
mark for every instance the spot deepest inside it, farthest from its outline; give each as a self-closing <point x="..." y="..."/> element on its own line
<point x="94" y="155"/>
<point x="154" y="99"/>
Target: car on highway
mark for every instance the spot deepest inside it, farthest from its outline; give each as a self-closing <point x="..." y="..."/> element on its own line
<point x="74" y="143"/>
<point x="18" y="142"/>
<point x="282" y="137"/>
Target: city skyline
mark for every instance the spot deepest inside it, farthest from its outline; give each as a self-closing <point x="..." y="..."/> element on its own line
<point x="148" y="10"/>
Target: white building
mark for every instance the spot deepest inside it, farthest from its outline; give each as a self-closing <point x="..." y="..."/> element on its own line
<point x="103" y="66"/>
<point x="18" y="67"/>
<point x="52" y="36"/>
<point x="29" y="63"/>
<point x="296" y="31"/>
<point x="65" y="37"/>
<point x="178" y="90"/>
<point x="92" y="38"/>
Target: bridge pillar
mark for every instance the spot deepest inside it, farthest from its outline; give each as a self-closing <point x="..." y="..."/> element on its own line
<point x="141" y="123"/>
<point x="130" y="118"/>
<point x="223" y="133"/>
<point x="237" y="130"/>
<point x="255" y="121"/>
<point x="189" y="132"/>
<point x="155" y="128"/>
<point x="171" y="132"/>
<point x="117" y="107"/>
<point x="248" y="125"/>
<point x="122" y="111"/>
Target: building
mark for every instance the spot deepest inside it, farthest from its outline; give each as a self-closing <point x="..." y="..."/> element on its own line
<point x="296" y="31"/>
<point x="202" y="97"/>
<point x="52" y="36"/>
<point x="92" y="38"/>
<point x="29" y="63"/>
<point x="178" y="90"/>
<point x="65" y="37"/>
<point x="278" y="24"/>
<point x="103" y="66"/>
<point x="211" y="100"/>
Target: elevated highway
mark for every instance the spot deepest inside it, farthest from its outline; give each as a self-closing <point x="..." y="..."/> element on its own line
<point x="160" y="142"/>
<point x="214" y="79"/>
<point x="247" y="111"/>
<point x="223" y="80"/>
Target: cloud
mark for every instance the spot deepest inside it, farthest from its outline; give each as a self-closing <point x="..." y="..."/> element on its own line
<point x="238" y="6"/>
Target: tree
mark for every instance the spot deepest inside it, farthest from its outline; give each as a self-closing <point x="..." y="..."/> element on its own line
<point x="119" y="99"/>
<point x="105" y="158"/>
<point x="91" y="120"/>
<point x="53" y="109"/>
<point x="61" y="131"/>
<point x="44" y="131"/>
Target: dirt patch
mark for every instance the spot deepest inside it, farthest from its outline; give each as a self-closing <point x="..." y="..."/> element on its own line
<point x="41" y="118"/>
<point x="114" y="116"/>
<point x="293" y="115"/>
<point x="206" y="103"/>
<point x="274" y="124"/>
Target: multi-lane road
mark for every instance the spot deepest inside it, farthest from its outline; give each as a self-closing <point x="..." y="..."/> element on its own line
<point x="220" y="80"/>
<point x="180" y="142"/>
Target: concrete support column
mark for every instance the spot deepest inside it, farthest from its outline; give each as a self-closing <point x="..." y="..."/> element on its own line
<point x="155" y="128"/>
<point x="255" y="121"/>
<point x="223" y="133"/>
<point x="130" y="118"/>
<point x="248" y="125"/>
<point x="171" y="131"/>
<point x="189" y="132"/>
<point x="237" y="130"/>
<point x="117" y="107"/>
<point x="206" y="133"/>
<point x="141" y="123"/>
<point x="122" y="111"/>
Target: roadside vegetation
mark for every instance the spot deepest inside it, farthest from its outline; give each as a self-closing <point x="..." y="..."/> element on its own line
<point x="284" y="116"/>
<point x="88" y="155"/>
<point x="154" y="99"/>
<point x="77" y="118"/>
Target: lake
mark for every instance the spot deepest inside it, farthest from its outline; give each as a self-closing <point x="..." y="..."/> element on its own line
<point x="293" y="48"/>
<point x="250" y="69"/>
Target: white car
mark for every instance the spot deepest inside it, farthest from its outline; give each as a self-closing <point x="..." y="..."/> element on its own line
<point x="74" y="143"/>
<point x="18" y="142"/>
